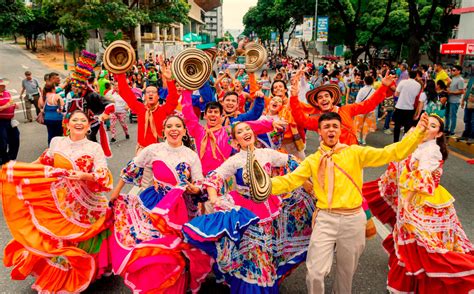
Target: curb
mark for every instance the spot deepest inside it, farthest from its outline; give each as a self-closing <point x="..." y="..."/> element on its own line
<point x="23" y="51"/>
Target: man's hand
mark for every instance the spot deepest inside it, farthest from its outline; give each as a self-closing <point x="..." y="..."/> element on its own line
<point x="388" y="79"/>
<point x="259" y="94"/>
<point x="423" y="123"/>
<point x="462" y="104"/>
<point x="295" y="86"/>
<point x="279" y="125"/>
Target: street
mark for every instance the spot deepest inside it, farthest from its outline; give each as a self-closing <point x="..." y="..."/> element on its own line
<point x="372" y="271"/>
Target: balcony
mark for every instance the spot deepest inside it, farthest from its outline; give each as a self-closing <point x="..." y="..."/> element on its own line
<point x="207" y="5"/>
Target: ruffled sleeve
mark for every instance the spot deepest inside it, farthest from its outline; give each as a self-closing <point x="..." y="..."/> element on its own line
<point x="133" y="172"/>
<point x="425" y="175"/>
<point x="46" y="158"/>
<point x="216" y="179"/>
<point x="102" y="176"/>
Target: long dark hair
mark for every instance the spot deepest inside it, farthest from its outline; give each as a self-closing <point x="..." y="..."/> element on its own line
<point x="441" y="141"/>
<point x="430" y="91"/>
<point x="187" y="140"/>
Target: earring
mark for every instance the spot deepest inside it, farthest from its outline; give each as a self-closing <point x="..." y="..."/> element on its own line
<point x="185" y="137"/>
<point x="68" y="132"/>
<point x="89" y="132"/>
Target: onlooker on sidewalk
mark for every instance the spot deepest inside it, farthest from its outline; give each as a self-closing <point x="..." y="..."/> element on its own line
<point x="9" y="134"/>
<point x="52" y="106"/>
<point x="33" y="94"/>
<point x="441" y="74"/>
<point x="120" y="113"/>
<point x="468" y="104"/>
<point x="456" y="90"/>
<point x="406" y="92"/>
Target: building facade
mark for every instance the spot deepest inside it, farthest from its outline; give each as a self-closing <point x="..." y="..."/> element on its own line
<point x="214" y="23"/>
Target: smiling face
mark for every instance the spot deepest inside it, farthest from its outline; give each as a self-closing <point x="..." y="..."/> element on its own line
<point x="78" y="125"/>
<point x="279" y="89"/>
<point x="325" y="101"/>
<point x="238" y="86"/>
<point x="243" y="135"/>
<point x="230" y="103"/>
<point x="330" y="131"/>
<point x="275" y="105"/>
<point x="151" y="95"/>
<point x="433" y="132"/>
<point x="174" y="131"/>
<point x="213" y="117"/>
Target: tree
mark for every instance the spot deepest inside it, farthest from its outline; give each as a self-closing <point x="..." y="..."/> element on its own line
<point x="360" y="16"/>
<point x="14" y="13"/>
<point x="37" y="20"/>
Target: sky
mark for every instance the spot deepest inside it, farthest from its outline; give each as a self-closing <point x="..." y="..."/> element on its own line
<point x="234" y="11"/>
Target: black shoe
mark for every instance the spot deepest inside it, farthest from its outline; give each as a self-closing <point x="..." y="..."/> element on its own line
<point x="113" y="140"/>
<point x="127" y="136"/>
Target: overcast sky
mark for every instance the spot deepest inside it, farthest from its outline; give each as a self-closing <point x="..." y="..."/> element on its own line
<point x="233" y="12"/>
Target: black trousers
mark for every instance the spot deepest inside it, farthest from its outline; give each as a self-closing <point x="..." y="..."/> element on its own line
<point x="402" y="118"/>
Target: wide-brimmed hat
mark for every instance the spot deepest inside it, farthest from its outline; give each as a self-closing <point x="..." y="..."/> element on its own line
<point x="4" y="82"/>
<point x="191" y="68"/>
<point x="258" y="180"/>
<point x="83" y="69"/>
<point x="255" y="56"/>
<point x="333" y="90"/>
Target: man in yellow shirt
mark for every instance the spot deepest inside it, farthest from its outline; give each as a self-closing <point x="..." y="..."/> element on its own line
<point x="336" y="171"/>
<point x="441" y="74"/>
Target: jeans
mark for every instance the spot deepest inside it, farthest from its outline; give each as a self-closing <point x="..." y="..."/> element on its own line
<point x="55" y="129"/>
<point x="388" y="118"/>
<point x="451" y="117"/>
<point x="468" y="123"/>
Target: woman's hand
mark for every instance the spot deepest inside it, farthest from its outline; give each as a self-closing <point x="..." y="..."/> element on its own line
<point x="279" y="125"/>
<point x="192" y="189"/>
<point x="406" y="202"/>
<point x="80" y="176"/>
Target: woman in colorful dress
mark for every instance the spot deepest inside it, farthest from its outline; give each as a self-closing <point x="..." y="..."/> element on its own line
<point x="429" y="251"/>
<point x="254" y="244"/>
<point x="146" y="241"/>
<point x="57" y="213"/>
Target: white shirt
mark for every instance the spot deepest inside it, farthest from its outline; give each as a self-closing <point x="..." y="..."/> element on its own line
<point x="423" y="99"/>
<point x="364" y="93"/>
<point x="408" y="90"/>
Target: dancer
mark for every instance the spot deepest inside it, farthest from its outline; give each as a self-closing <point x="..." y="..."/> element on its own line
<point x="429" y="251"/>
<point x="254" y="244"/>
<point x="56" y="211"/>
<point x="213" y="140"/>
<point x="146" y="244"/>
<point x="230" y="103"/>
<point x="150" y="116"/>
<point x="325" y="99"/>
<point x="336" y="171"/>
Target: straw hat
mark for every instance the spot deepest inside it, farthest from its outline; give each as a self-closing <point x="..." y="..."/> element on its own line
<point x="259" y="181"/>
<point x="119" y="57"/>
<point x="255" y="56"/>
<point x="333" y="90"/>
<point x="191" y="68"/>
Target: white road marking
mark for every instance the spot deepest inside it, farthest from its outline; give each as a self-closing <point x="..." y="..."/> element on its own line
<point x="382" y="230"/>
<point x="24" y="66"/>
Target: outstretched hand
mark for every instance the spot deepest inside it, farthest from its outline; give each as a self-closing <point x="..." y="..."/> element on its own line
<point x="423" y="122"/>
<point x="388" y="79"/>
<point x="165" y="70"/>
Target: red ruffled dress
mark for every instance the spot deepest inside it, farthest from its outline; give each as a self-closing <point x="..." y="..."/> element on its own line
<point x="428" y="249"/>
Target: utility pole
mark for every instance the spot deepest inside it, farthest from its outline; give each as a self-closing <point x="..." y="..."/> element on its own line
<point x="315" y="27"/>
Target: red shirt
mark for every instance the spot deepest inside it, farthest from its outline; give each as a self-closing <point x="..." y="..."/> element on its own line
<point x="347" y="113"/>
<point x="7" y="113"/>
<point x="159" y="115"/>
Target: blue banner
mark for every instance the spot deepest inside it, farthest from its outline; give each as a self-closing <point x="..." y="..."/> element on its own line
<point x="323" y="28"/>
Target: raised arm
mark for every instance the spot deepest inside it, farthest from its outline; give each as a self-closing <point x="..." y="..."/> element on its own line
<point x="126" y="93"/>
<point x="301" y="117"/>
<point x="293" y="180"/>
<point x="373" y="157"/>
<point x="190" y="118"/>
<point x="255" y="112"/>
<point x="369" y="104"/>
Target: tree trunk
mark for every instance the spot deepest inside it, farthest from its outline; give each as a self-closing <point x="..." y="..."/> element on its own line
<point x="14" y="38"/>
<point x="74" y="56"/>
<point x="34" y="43"/>
<point x="305" y="49"/>
<point x="414" y="44"/>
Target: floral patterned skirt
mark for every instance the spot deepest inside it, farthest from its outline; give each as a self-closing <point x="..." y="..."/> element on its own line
<point x="255" y="247"/>
<point x="58" y="228"/>
<point x="146" y="243"/>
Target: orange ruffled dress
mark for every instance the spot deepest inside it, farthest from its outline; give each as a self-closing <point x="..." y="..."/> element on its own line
<point x="58" y="225"/>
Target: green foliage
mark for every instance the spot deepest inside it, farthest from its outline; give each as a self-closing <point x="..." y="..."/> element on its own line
<point x="168" y="12"/>
<point x="109" y="37"/>
<point x="13" y="14"/>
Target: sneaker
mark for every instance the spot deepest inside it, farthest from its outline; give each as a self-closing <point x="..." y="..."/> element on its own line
<point x="470" y="141"/>
<point x="113" y="140"/>
<point x="387" y="132"/>
<point x="127" y="136"/>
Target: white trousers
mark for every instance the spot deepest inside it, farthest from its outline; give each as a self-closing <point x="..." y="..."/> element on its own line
<point x="345" y="234"/>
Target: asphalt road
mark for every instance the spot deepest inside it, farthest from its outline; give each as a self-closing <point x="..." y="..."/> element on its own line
<point x="372" y="271"/>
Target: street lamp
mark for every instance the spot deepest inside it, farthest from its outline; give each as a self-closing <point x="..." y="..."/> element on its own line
<point x="315" y="27"/>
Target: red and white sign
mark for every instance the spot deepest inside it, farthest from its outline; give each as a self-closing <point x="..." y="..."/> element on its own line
<point x="453" y="48"/>
<point x="470" y="49"/>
